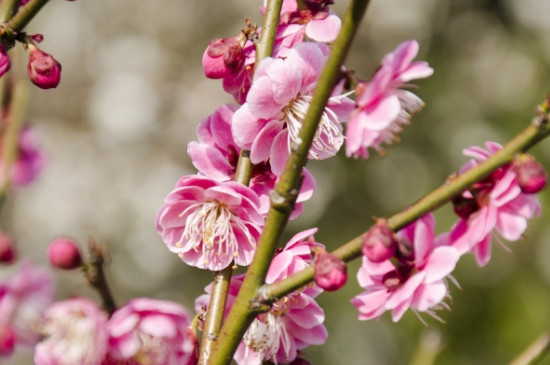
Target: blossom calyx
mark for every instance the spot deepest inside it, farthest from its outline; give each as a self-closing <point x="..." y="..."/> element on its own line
<point x="379" y="243"/>
<point x="531" y="176"/>
<point x="44" y="71"/>
<point x="63" y="253"/>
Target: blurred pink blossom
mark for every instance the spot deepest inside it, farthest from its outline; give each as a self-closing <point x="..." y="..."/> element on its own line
<point x="149" y="331"/>
<point x="75" y="332"/>
<point x="210" y="224"/>
<point x="499" y="204"/>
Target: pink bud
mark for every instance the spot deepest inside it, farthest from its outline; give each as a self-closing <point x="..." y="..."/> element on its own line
<point x="4" y="61"/>
<point x="37" y="38"/>
<point x="7" y="340"/>
<point x="379" y="243"/>
<point x="330" y="272"/>
<point x="222" y="57"/>
<point x="63" y="253"/>
<point x="531" y="176"/>
<point x="7" y="251"/>
<point x="44" y="71"/>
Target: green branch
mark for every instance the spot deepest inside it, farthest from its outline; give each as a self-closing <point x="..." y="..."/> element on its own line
<point x="283" y="197"/>
<point x="530" y="136"/>
<point x="24" y="16"/>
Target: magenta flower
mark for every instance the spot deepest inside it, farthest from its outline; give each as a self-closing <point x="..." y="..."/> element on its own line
<point x="497" y="204"/>
<point x="216" y="155"/>
<point x="293" y="323"/>
<point x="210" y="224"/>
<point x="23" y="299"/>
<point x="417" y="281"/>
<point x="149" y="331"/>
<point x="381" y="106"/>
<point x="75" y="332"/>
<point x="44" y="70"/>
<point x="4" y="61"/>
<point x="270" y="120"/>
<point x="29" y="162"/>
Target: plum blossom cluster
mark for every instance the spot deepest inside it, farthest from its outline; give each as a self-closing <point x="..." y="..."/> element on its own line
<point x="293" y="323"/>
<point x="411" y="269"/>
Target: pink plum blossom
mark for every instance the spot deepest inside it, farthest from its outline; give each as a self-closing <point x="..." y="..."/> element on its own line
<point x="416" y="281"/>
<point x="75" y="332"/>
<point x="293" y="323"/>
<point x="270" y="120"/>
<point x="209" y="223"/>
<point x="232" y="59"/>
<point x="381" y="106"/>
<point x="498" y="204"/>
<point x="23" y="299"/>
<point x="29" y="162"/>
<point x="216" y="155"/>
<point x="149" y="331"/>
<point x="4" y="61"/>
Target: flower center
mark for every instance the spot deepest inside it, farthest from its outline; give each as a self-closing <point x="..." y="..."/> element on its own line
<point x="328" y="137"/>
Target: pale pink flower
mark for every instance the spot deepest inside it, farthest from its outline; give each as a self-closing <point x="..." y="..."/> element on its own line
<point x="75" y="332"/>
<point x="23" y="299"/>
<point x="416" y="281"/>
<point x="216" y="155"/>
<point x="381" y="106"/>
<point x="293" y="323"/>
<point x="29" y="162"/>
<point x="270" y="120"/>
<point x="149" y="331"/>
<point x="498" y="204"/>
<point x="210" y="224"/>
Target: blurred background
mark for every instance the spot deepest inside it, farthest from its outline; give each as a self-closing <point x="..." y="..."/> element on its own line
<point x="115" y="134"/>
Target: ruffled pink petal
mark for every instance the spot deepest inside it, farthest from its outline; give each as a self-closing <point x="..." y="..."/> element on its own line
<point x="245" y="127"/>
<point x="482" y="251"/>
<point x="417" y="70"/>
<point x="309" y="59"/>
<point x="261" y="98"/>
<point x="510" y="225"/>
<point x="370" y="305"/>
<point x="440" y="263"/>
<point x="279" y="152"/>
<point x="286" y="80"/>
<point x="261" y="147"/>
<point x="428" y="296"/>
<point x="158" y="325"/>
<point x="210" y="161"/>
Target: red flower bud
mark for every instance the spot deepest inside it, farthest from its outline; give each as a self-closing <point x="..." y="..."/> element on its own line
<point x="464" y="207"/>
<point x="330" y="272"/>
<point x="531" y="176"/>
<point x="379" y="243"/>
<point x="7" y="340"/>
<point x="7" y="251"/>
<point x="44" y="71"/>
<point x="63" y="253"/>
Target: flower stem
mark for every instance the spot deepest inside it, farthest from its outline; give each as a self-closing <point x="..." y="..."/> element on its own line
<point x="22" y="18"/>
<point x="533" y="134"/>
<point x="283" y="197"/>
<point x="8" y="9"/>
<point x="264" y="47"/>
<point x="95" y="275"/>
<point x="535" y="352"/>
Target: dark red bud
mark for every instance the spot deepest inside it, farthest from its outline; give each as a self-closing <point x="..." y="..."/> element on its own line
<point x="7" y="249"/>
<point x="44" y="71"/>
<point x="464" y="207"/>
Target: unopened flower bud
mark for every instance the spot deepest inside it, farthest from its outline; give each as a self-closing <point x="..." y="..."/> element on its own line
<point x="222" y="57"/>
<point x="4" y="61"/>
<point x="63" y="253"/>
<point x="44" y="71"/>
<point x="7" y="251"/>
<point x="36" y="38"/>
<point x="7" y="340"/>
<point x="379" y="243"/>
<point x="330" y="272"/>
<point x="531" y="176"/>
<point x="464" y="207"/>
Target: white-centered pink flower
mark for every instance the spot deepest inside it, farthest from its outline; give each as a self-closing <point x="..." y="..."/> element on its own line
<point x="382" y="107"/>
<point x="413" y="280"/>
<point x="149" y="331"/>
<point x="23" y="299"/>
<point x="75" y="332"/>
<point x="269" y="122"/>
<point x="496" y="203"/>
<point x="293" y="323"/>
<point x="210" y="224"/>
<point x="216" y="155"/>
